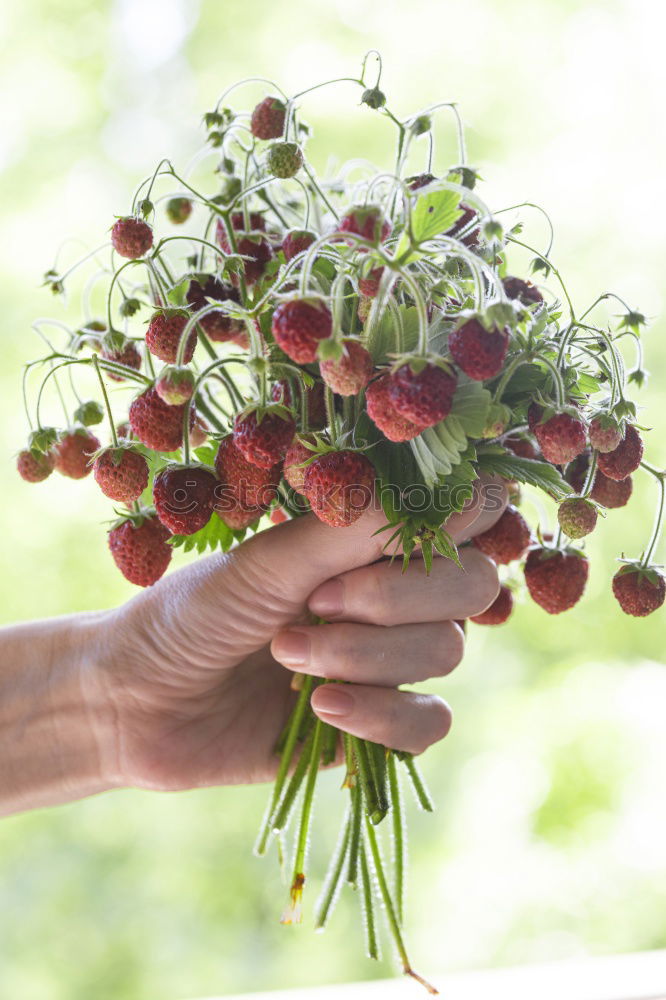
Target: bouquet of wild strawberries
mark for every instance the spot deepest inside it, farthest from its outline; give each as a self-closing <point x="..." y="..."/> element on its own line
<point x="321" y="345"/>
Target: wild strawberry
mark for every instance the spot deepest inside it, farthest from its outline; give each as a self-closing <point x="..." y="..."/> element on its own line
<point x="516" y="288"/>
<point x="268" y="117"/>
<point x="479" y="352"/>
<point x="216" y="324"/>
<point x="35" y="466"/>
<point x="556" y="580"/>
<point x="625" y="459"/>
<point x="498" y="612"/>
<point x="508" y="539"/>
<point x="425" y="397"/>
<point x="121" y="474"/>
<point x="199" y="432"/>
<point x="243" y="483"/>
<point x="366" y="221"/>
<point x="263" y="440"/>
<point x="419" y="181"/>
<point x="298" y="325"/>
<point x="73" y="453"/>
<point x="369" y="285"/>
<point x="577" y="517"/>
<point x="611" y="493"/>
<point x="279" y="515"/>
<point x="561" y="438"/>
<point x="339" y="486"/>
<point x="252" y="245"/>
<point x="639" y="589"/>
<point x="284" y="159"/>
<point x="315" y="402"/>
<point x="294" y="468"/>
<point x="140" y="550"/>
<point x="238" y="518"/>
<point x="178" y="210"/>
<point x="350" y="373"/>
<point x="131" y="237"/>
<point x="470" y="239"/>
<point x="605" y="435"/>
<point x="384" y="415"/>
<point x="155" y="423"/>
<point x="521" y="446"/>
<point x="164" y="334"/>
<point x="129" y="356"/>
<point x="184" y="498"/>
<point x="175" y="385"/>
<point x="296" y="241"/>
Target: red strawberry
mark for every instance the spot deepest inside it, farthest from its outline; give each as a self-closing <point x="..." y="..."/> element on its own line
<point x="384" y="415"/>
<point x="499" y="611"/>
<point x="294" y="469"/>
<point x="279" y="515"/>
<point x="605" y="435"/>
<point x="263" y="441"/>
<point x="367" y="221"/>
<point x="296" y="241"/>
<point x="217" y="325"/>
<point x="419" y="181"/>
<point x="508" y="539"/>
<point x="556" y="580"/>
<point x="351" y="373"/>
<point x="73" y="453"/>
<point x="268" y="117"/>
<point x="561" y="438"/>
<point x="129" y="356"/>
<point x="163" y="336"/>
<point x="521" y="446"/>
<point x="131" y="237"/>
<point x="463" y="223"/>
<point x="315" y="402"/>
<point x="175" y="385"/>
<point x="424" y="397"/>
<point x="516" y="288"/>
<point x="369" y="285"/>
<point x="238" y="518"/>
<point x="155" y="423"/>
<point x="479" y="352"/>
<point x="339" y="486"/>
<point x="254" y="246"/>
<point x="199" y="432"/>
<point x="299" y="325"/>
<point x="178" y="210"/>
<point x="35" y="466"/>
<point x="611" y="493"/>
<point x="577" y="517"/>
<point x="640" y="590"/>
<point x="139" y="549"/>
<point x="184" y="498"/>
<point x="121" y="474"/>
<point x="244" y="484"/>
<point x="625" y="459"/>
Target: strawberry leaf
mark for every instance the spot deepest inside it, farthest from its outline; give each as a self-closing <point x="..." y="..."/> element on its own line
<point x="216" y="535"/>
<point x="435" y="212"/>
<point x="546" y="477"/>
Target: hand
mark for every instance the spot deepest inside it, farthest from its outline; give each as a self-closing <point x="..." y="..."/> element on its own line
<point x="193" y="669"/>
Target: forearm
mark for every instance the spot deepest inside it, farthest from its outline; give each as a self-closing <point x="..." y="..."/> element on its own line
<point x="56" y="730"/>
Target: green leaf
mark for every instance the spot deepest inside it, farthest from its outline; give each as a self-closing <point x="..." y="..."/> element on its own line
<point x="395" y="331"/>
<point x="497" y="462"/>
<point x="438" y="449"/>
<point x="435" y="212"/>
<point x="216" y="535"/>
<point x="471" y="404"/>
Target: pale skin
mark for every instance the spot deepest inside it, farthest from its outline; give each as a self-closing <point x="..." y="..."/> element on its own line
<point x="188" y="684"/>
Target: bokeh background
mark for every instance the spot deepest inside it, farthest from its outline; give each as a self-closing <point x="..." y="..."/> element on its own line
<point x="549" y="837"/>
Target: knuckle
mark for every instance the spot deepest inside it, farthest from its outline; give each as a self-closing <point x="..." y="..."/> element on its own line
<point x="374" y="600"/>
<point x="483" y="579"/>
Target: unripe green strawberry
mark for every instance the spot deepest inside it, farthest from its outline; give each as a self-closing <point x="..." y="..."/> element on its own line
<point x="178" y="210"/>
<point x="175" y="385"/>
<point x="89" y="413"/>
<point x="577" y="517"/>
<point x="284" y="159"/>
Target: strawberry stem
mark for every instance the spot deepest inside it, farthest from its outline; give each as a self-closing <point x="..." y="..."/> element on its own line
<point x="298" y="879"/>
<point x="398" y="823"/>
<point x="107" y="404"/>
<point x="660" y="476"/>
<point x="326" y="902"/>
<point x="367" y="907"/>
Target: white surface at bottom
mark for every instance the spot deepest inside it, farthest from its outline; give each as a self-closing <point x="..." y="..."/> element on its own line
<point x="641" y="976"/>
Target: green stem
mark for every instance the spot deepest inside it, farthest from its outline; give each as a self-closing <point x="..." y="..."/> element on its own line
<point x="656" y="531"/>
<point x="355" y="844"/>
<point x="367" y="906"/>
<point x="326" y="901"/>
<point x="422" y="796"/>
<point x="107" y="404"/>
<point x="398" y="837"/>
<point x="282" y="815"/>
<point x="298" y="878"/>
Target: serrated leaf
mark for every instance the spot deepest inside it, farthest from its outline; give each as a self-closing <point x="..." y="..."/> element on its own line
<point x="435" y="212"/>
<point x="216" y="535"/>
<point x="497" y="462"/>
<point x="470" y="406"/>
<point x="395" y="331"/>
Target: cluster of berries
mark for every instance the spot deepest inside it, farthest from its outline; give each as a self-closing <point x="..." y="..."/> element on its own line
<point x="325" y="346"/>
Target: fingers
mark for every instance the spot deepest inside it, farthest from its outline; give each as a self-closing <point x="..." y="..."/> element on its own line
<point x="492" y="500"/>
<point x="401" y="720"/>
<point x="368" y="654"/>
<point x="382" y="594"/>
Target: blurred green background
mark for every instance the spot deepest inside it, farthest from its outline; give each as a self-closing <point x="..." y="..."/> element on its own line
<point x="549" y="837"/>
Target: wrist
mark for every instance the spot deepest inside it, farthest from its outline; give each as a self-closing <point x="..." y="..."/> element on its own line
<point x="57" y="730"/>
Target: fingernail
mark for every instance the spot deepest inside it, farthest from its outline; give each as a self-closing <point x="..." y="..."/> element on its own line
<point x="292" y="648"/>
<point x="331" y="699"/>
<point x="327" y="602"/>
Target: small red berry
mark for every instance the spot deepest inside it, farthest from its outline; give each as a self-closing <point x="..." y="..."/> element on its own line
<point x="129" y="356"/>
<point x="561" y="438"/>
<point x="366" y="221"/>
<point x="238" y="519"/>
<point x="184" y="498"/>
<point x="175" y="385"/>
<point x="498" y="612"/>
<point x="35" y="466"/>
<point x="469" y="214"/>
<point x="611" y="493"/>
<point x="419" y="181"/>
<point x="640" y="590"/>
<point x="339" y="486"/>
<point x="555" y="580"/>
<point x="521" y="446"/>
<point x="242" y="483"/>
<point x="297" y="241"/>
<point x="350" y="373"/>
<point x="478" y="352"/>
<point x="140" y="550"/>
<point x="369" y="285"/>
<point x="384" y="415"/>
<point x="252" y="244"/>
<point x="73" y="453"/>
<point x="216" y="324"/>
<point x="425" y="397"/>
<point x="163" y="337"/>
<point x="263" y="440"/>
<point x="294" y="468"/>
<point x="121" y="474"/>
<point x="155" y="423"/>
<point x="516" y="288"/>
<point x="507" y="540"/>
<point x="268" y="117"/>
<point x="298" y="326"/>
<point x="605" y="435"/>
<point x="625" y="459"/>
<point x="315" y="402"/>
<point x="131" y="237"/>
